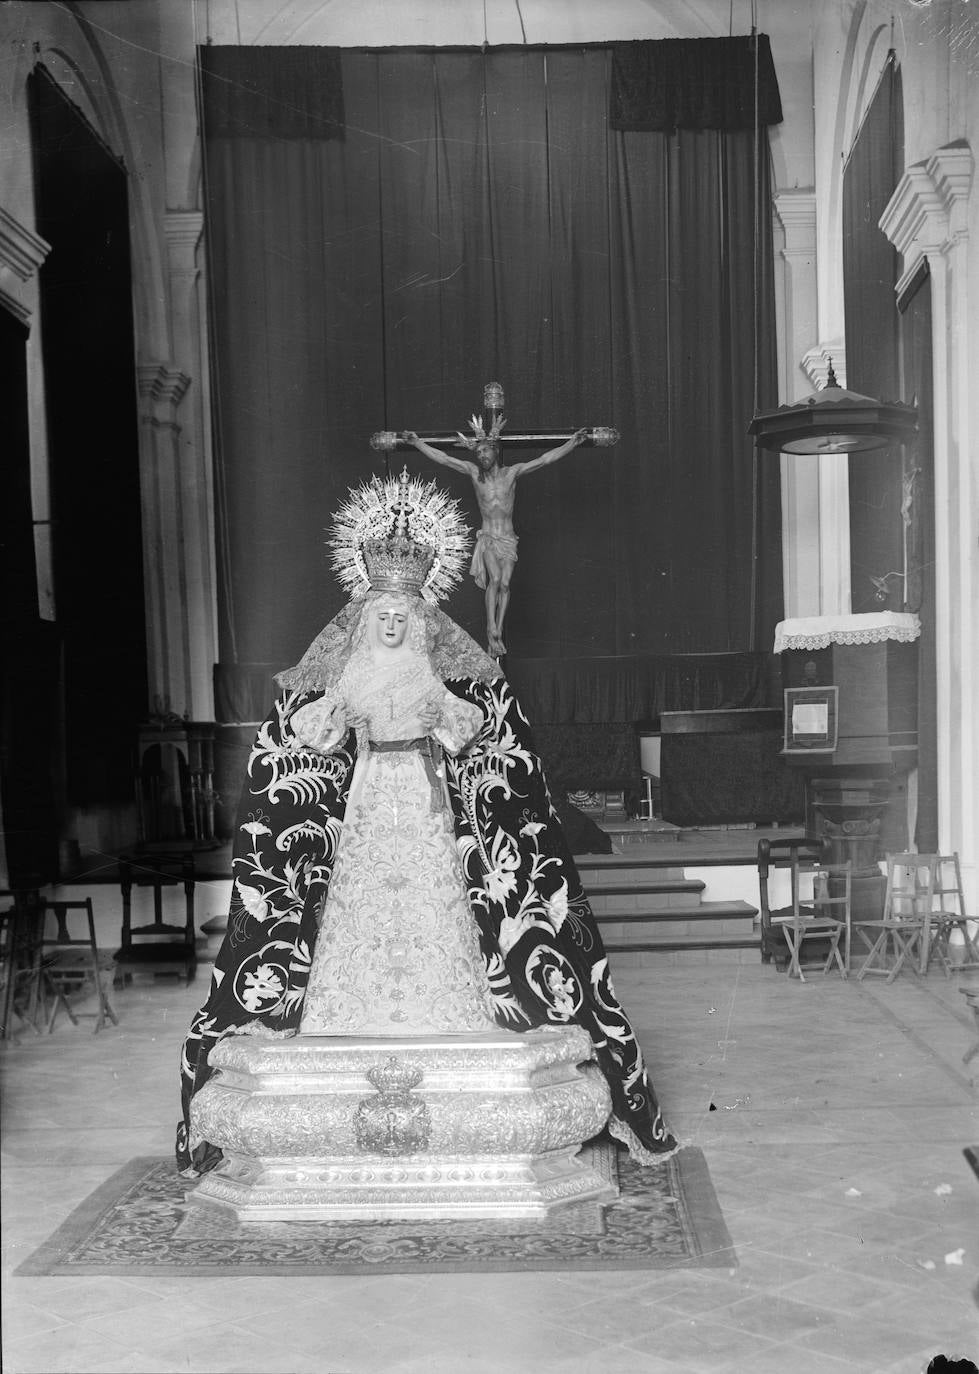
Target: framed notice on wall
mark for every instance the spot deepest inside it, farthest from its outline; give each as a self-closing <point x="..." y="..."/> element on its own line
<point x="810" y="720"/>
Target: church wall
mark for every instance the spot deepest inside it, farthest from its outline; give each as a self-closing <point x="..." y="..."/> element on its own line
<point x="933" y="217"/>
<point x="109" y="60"/>
<point x="129" y="66"/>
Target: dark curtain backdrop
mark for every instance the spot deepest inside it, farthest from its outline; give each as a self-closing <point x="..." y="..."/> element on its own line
<point x="458" y="217"/>
<point x="870" y="273"/>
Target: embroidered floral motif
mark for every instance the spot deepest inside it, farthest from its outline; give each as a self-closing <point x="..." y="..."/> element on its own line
<point x="264" y="985"/>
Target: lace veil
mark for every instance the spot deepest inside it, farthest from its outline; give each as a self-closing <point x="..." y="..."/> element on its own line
<point x="450" y="650"/>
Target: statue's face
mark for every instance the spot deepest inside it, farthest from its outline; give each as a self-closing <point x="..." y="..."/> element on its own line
<point x="487" y="454"/>
<point x="389" y="623"/>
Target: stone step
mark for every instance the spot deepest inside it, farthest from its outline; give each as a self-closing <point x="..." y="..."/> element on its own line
<point x="614" y="885"/>
<point x="710" y="920"/>
<point x="644" y="944"/>
<point x="704" y="911"/>
<point x="713" y="949"/>
<point x="687" y="848"/>
<point x="631" y="875"/>
<point x="641" y="897"/>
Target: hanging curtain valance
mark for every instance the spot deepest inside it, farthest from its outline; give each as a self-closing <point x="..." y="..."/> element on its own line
<point x="657" y="85"/>
<point x="259" y="92"/>
<point x="693" y="83"/>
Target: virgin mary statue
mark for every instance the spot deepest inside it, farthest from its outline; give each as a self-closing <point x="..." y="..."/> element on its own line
<point x="399" y="868"/>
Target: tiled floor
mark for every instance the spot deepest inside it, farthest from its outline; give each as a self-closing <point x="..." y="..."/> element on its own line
<point x="833" y="1117"/>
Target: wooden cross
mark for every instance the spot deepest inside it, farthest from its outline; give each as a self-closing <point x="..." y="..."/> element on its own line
<point x="494" y="485"/>
<point x="388" y="441"/>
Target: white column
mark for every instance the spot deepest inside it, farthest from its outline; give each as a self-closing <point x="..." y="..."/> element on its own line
<point x="815" y="489"/>
<point x="834" y="492"/>
<point x="161" y="389"/>
<point x="927" y="218"/>
<point x="183" y="232"/>
<point x="795" y="289"/>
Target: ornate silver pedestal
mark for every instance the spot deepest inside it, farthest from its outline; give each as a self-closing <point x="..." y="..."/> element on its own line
<point x="317" y="1128"/>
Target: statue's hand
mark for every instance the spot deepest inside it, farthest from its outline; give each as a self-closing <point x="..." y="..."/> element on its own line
<point x="408" y="436"/>
<point x="430" y="714"/>
<point x="580" y="435"/>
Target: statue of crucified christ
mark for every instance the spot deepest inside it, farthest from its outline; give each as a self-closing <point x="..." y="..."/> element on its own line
<point x="494" y="483"/>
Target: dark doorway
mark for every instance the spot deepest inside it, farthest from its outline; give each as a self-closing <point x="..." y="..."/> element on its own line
<point x="30" y="691"/>
<point x="90" y="386"/>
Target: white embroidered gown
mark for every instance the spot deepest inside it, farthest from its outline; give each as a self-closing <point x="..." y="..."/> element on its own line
<point x="397" y="951"/>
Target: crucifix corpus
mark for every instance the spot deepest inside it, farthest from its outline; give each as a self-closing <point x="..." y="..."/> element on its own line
<point x="494" y="483"/>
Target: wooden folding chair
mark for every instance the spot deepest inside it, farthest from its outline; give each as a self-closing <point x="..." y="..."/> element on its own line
<point x="947" y="915"/>
<point x="69" y="961"/>
<point x="785" y="854"/>
<point x="900" y="935"/>
<point x="826" y="916"/>
<point x="160" y="946"/>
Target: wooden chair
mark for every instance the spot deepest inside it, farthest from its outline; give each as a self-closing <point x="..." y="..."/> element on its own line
<point x="21" y="961"/>
<point x="160" y="947"/>
<point x="825" y="915"/>
<point x="945" y="916"/>
<point x="69" y="962"/>
<point x="782" y="854"/>
<point x="899" y="935"/>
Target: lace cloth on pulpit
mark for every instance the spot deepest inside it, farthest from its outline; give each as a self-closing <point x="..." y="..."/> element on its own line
<point x="820" y="631"/>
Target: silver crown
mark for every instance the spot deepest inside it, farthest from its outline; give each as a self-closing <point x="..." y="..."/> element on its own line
<point x="397" y="564"/>
<point x="399" y="535"/>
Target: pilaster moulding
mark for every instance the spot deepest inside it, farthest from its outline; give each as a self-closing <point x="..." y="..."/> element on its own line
<point x="816" y="363"/>
<point x="796" y="211"/>
<point x="183" y="230"/>
<point x="927" y="212"/>
<point x="161" y="389"/>
<point x="21" y="249"/>
<point x="21" y="254"/>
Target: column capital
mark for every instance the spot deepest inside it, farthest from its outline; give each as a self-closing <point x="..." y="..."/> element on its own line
<point x="21" y="254"/>
<point x="183" y="226"/>
<point x="796" y="211"/>
<point x="182" y="230"/>
<point x="816" y="362"/>
<point x="161" y="389"/>
<point x="21" y="249"/>
<point x="927" y="212"/>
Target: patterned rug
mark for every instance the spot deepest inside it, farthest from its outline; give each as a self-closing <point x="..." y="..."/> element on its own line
<point x="665" y="1217"/>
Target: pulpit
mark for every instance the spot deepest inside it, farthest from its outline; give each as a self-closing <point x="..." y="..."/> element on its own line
<point x="851" y="727"/>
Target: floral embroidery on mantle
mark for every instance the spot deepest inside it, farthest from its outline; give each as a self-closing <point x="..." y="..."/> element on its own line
<point x="820" y="631"/>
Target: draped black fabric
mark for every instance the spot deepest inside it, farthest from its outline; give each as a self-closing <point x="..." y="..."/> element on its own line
<point x="870" y="272"/>
<point x="286" y="92"/>
<point x="480" y="221"/>
<point x="694" y="83"/>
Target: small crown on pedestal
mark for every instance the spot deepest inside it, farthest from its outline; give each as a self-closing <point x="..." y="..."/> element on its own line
<point x="395" y="1077"/>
